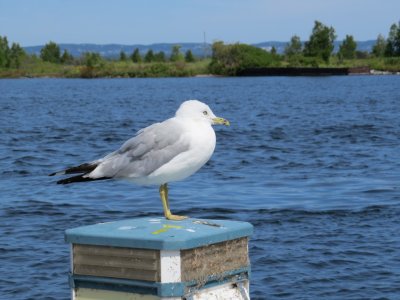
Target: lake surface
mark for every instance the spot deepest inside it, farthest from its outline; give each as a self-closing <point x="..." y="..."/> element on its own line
<point x="312" y="162"/>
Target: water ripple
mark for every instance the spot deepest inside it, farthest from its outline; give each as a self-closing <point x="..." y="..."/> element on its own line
<point x="312" y="163"/>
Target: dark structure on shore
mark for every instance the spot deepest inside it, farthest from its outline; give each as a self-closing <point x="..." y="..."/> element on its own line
<point x="302" y="71"/>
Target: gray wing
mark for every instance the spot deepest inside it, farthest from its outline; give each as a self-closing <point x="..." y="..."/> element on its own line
<point x="151" y="148"/>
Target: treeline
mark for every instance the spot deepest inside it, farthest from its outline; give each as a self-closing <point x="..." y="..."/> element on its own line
<point x="321" y="44"/>
<point x="317" y="51"/>
<point x="11" y="57"/>
<point x="53" y="62"/>
<point x="51" y="53"/>
<point x="150" y="56"/>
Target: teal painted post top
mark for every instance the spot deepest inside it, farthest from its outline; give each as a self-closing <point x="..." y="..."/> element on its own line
<point x="159" y="233"/>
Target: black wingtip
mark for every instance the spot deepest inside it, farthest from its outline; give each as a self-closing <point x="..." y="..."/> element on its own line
<point x="79" y="178"/>
<point x="83" y="168"/>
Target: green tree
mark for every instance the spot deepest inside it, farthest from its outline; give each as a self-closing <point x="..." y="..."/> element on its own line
<point x="176" y="54"/>
<point x="66" y="57"/>
<point x="92" y="63"/>
<point x="149" y="57"/>
<point x="122" y="56"/>
<point x="321" y="41"/>
<point x="294" y="47"/>
<point x="231" y="59"/>
<point x="389" y="50"/>
<point x="379" y="48"/>
<point x="393" y="41"/>
<point x="92" y="59"/>
<point x="347" y="49"/>
<point x="160" y="57"/>
<point x="16" y="55"/>
<point x="136" y="57"/>
<point x="51" y="53"/>
<point x="397" y="41"/>
<point x="4" y="52"/>
<point x="189" y="57"/>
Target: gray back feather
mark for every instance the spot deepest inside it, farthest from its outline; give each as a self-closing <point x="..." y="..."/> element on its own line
<point x="141" y="155"/>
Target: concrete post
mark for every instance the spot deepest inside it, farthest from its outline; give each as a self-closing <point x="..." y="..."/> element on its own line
<point x="155" y="258"/>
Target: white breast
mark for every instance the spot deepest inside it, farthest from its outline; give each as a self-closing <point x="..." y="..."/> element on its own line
<point x="202" y="144"/>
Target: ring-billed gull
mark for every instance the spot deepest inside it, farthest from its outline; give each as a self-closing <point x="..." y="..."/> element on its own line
<point x="163" y="152"/>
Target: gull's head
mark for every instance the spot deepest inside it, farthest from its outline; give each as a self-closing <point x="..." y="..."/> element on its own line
<point x="199" y="111"/>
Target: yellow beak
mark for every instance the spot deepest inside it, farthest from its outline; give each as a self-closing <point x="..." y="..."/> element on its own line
<point x="221" y="121"/>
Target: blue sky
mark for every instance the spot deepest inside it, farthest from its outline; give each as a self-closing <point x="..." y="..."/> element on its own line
<point x="35" y="22"/>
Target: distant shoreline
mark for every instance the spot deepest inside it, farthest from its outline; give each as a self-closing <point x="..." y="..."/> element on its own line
<point x="248" y="72"/>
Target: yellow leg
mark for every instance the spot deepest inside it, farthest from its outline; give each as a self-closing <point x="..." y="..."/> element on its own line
<point x="165" y="203"/>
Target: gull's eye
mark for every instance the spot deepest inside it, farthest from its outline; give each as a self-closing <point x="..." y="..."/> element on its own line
<point x="205" y="113"/>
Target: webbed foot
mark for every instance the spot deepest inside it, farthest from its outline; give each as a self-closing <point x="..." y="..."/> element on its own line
<point x="175" y="217"/>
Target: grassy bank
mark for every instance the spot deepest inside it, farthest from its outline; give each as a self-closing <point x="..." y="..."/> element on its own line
<point x="114" y="69"/>
<point x="390" y="64"/>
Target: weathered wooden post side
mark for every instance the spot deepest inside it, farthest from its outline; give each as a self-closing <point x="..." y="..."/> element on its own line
<point x="154" y="258"/>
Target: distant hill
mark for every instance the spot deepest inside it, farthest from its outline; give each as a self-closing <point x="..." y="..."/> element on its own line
<point x="198" y="49"/>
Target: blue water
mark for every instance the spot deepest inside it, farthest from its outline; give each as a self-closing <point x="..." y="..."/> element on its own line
<point x="312" y="162"/>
